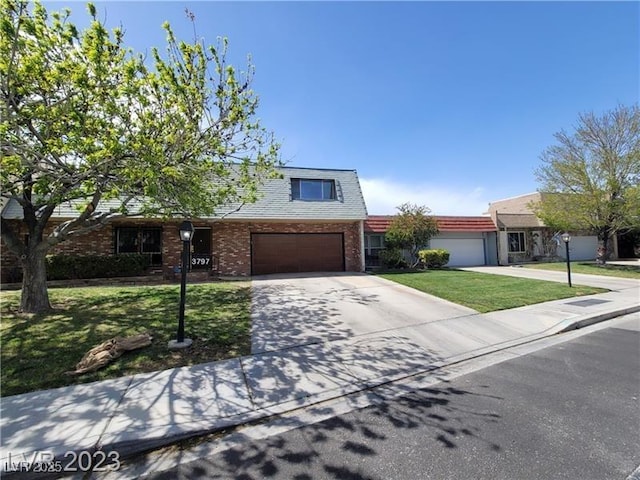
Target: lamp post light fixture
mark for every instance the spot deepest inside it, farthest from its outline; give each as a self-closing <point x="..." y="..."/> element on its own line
<point x="566" y="238"/>
<point x="186" y="234"/>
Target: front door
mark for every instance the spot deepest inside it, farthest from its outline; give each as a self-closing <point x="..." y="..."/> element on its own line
<point x="201" y="249"/>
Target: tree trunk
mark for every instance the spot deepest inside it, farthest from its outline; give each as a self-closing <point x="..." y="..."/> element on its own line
<point x="603" y="247"/>
<point x="35" y="296"/>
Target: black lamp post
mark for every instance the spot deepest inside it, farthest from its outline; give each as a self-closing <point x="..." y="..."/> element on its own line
<point x="186" y="234"/>
<point x="566" y="238"/>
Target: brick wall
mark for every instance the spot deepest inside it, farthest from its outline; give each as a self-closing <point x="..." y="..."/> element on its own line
<point x="96" y="242"/>
<point x="171" y="245"/>
<point x="232" y="242"/>
<point x="8" y="262"/>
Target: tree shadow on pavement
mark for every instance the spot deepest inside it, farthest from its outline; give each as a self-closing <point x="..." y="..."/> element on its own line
<point x="286" y="379"/>
<point x="386" y="440"/>
<point x="284" y="316"/>
<point x="120" y="413"/>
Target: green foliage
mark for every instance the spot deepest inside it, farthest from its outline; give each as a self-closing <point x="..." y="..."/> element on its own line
<point x="84" y="116"/>
<point x="86" y="120"/>
<point x="486" y="292"/>
<point x="217" y="315"/>
<point x="68" y="267"/>
<point x="392" y="258"/>
<point x="435" y="258"/>
<point x="591" y="176"/>
<point x="411" y="229"/>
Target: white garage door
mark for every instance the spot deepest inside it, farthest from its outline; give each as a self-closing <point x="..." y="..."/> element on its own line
<point x="580" y="248"/>
<point x="467" y="252"/>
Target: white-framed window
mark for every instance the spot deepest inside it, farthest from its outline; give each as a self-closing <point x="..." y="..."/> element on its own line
<point x="516" y="242"/>
<point x="373" y="243"/>
<point x="313" y="189"/>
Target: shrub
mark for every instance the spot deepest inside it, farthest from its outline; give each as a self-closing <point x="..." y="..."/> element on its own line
<point x="434" y="258"/>
<point x="410" y="229"/>
<point x="68" y="267"/>
<point x="393" y="258"/>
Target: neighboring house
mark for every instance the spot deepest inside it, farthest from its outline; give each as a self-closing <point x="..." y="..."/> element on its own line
<point x="523" y="237"/>
<point x="471" y="241"/>
<point x="308" y="220"/>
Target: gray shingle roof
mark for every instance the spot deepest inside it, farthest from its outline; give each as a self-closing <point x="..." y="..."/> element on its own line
<point x="275" y="203"/>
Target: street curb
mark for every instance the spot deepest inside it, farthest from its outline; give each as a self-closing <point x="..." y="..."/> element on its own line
<point x="635" y="475"/>
<point x="279" y="409"/>
<point x="587" y="320"/>
<point x="137" y="447"/>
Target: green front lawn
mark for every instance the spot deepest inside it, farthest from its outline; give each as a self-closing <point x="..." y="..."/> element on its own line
<point x="37" y="350"/>
<point x="610" y="270"/>
<point x="485" y="292"/>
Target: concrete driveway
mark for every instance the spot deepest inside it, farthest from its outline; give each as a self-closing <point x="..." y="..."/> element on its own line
<point x="300" y="309"/>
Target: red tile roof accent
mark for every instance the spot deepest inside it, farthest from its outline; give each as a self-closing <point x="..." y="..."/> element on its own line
<point x="466" y="224"/>
<point x="377" y="223"/>
<point x="380" y="224"/>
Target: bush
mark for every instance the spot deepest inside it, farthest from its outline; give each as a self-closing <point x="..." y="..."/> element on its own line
<point x="392" y="258"/>
<point x="434" y="258"/>
<point x="69" y="267"/>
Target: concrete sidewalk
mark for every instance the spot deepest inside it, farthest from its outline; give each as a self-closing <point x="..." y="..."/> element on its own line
<point x="598" y="281"/>
<point x="132" y="414"/>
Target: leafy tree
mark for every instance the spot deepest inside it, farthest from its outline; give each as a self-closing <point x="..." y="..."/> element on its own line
<point x="86" y="120"/>
<point x="411" y="229"/>
<point x="591" y="176"/>
<point x="393" y="258"/>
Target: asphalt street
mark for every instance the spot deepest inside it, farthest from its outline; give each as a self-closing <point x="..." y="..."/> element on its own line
<point x="570" y="411"/>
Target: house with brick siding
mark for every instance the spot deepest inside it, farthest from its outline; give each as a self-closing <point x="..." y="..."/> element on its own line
<point x="307" y="220"/>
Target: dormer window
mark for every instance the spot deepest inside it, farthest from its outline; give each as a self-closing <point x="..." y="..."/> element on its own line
<point x="312" y="189"/>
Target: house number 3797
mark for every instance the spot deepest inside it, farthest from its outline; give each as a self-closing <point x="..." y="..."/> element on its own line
<point x="200" y="261"/>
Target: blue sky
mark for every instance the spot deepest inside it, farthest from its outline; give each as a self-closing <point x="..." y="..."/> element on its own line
<point x="444" y="104"/>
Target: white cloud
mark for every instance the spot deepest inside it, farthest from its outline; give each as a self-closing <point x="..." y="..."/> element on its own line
<point x="383" y="196"/>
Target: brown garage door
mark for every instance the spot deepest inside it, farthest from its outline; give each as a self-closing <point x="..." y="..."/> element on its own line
<point x="296" y="252"/>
